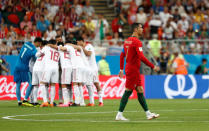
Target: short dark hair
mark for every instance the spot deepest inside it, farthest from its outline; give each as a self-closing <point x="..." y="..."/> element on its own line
<point x="204" y="60"/>
<point x="45" y="42"/>
<point x="38" y="39"/>
<point x="58" y="36"/>
<point x="52" y="41"/>
<point x="135" y="25"/>
<point x="80" y="39"/>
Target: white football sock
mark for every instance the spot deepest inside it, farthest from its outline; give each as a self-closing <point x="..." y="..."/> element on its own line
<point x="100" y="96"/>
<point x="91" y="94"/>
<point x="65" y="95"/>
<point x="77" y="94"/>
<point x="44" y="92"/>
<point x="148" y="112"/>
<point x="52" y="93"/>
<point x="60" y="93"/>
<point x="120" y="113"/>
<point x="81" y="94"/>
<point x="70" y="90"/>
<point x="35" y="94"/>
<point x="31" y="96"/>
<point x="47" y="93"/>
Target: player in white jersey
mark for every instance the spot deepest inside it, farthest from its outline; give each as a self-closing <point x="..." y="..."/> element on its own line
<point x="66" y="76"/>
<point x="88" y="74"/>
<point x="78" y="71"/>
<point x="50" y="73"/>
<point x="59" y="41"/>
<point x="90" y="53"/>
<point x="37" y="73"/>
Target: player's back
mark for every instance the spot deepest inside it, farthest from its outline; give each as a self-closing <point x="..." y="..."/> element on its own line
<point x="39" y="64"/>
<point x="132" y="59"/>
<point x="65" y="57"/>
<point x="27" y="51"/>
<point x="92" y="58"/>
<point x="51" y="57"/>
<point x="77" y="60"/>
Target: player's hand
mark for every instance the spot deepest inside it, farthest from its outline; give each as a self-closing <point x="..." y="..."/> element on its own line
<point x="121" y="74"/>
<point x="156" y="68"/>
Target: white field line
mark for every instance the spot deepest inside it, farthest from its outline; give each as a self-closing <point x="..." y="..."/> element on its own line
<point x="82" y="120"/>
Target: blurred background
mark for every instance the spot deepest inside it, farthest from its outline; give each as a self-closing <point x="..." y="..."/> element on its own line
<point x="176" y="32"/>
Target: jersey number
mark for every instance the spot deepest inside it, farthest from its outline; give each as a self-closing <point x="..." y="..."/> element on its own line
<point x="40" y="58"/>
<point x="127" y="52"/>
<point x="25" y="49"/>
<point x="67" y="55"/>
<point x="54" y="55"/>
<point x="76" y="53"/>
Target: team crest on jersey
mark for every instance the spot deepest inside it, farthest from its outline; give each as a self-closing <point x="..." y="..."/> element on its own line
<point x="140" y="49"/>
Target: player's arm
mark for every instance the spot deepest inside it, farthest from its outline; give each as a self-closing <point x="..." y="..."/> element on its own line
<point x="62" y="48"/>
<point x="53" y="46"/>
<point x="122" y="55"/>
<point x="87" y="52"/>
<point x="39" y="53"/>
<point x="78" y="48"/>
<point x="140" y="54"/>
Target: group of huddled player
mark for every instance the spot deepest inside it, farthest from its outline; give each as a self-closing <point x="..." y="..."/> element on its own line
<point x="71" y="64"/>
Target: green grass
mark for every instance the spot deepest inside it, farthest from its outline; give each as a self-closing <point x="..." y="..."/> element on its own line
<point x="175" y="115"/>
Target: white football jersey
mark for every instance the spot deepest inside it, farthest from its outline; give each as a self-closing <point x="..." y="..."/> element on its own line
<point x="39" y="64"/>
<point x="76" y="58"/>
<point x="51" y="57"/>
<point x="65" y="57"/>
<point x="92" y="58"/>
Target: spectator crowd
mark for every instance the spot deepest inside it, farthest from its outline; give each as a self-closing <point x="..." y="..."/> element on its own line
<point x="181" y="20"/>
<point x="168" y="24"/>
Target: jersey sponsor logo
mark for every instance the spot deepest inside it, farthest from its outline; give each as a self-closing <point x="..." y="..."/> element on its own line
<point x="8" y="88"/>
<point x="181" y="83"/>
<point x="112" y="88"/>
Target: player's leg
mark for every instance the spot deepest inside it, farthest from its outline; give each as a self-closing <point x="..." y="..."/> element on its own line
<point x="28" y="91"/>
<point x="142" y="101"/>
<point x="77" y="94"/>
<point x="44" y="88"/>
<point x="44" y="83"/>
<point x="35" y="95"/>
<point x="17" y="79"/>
<point x="123" y="102"/>
<point x="91" y="95"/>
<point x="60" y="93"/>
<point x="36" y="78"/>
<point x="65" y="96"/>
<point x="80" y="87"/>
<point x="52" y="94"/>
<point x="70" y="92"/>
<point x="18" y="93"/>
<point x="31" y="97"/>
<point x="100" y="93"/>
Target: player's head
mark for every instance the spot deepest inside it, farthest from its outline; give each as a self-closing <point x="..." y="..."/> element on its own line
<point x="204" y="61"/>
<point x="138" y="29"/>
<point x="59" y="38"/>
<point x="37" y="41"/>
<point x="80" y="41"/>
<point x="52" y="41"/>
<point x="45" y="42"/>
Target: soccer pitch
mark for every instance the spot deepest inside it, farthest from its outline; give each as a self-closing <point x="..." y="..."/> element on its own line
<point x="175" y="115"/>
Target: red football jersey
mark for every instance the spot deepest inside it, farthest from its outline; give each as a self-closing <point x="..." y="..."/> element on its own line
<point x="133" y="52"/>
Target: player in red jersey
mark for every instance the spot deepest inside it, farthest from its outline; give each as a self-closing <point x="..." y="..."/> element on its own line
<point x="133" y="53"/>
